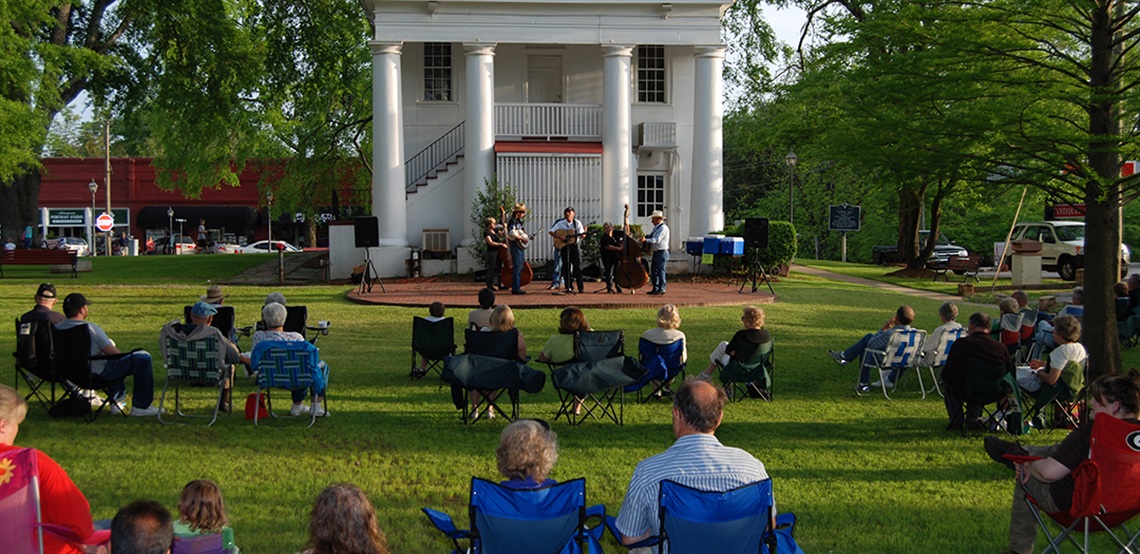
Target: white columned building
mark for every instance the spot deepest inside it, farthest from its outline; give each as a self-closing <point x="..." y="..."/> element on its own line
<point x="592" y="104"/>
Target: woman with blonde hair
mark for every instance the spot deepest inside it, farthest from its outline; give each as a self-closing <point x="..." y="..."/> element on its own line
<point x="743" y="344"/>
<point x="503" y="319"/>
<point x="344" y="522"/>
<point x="201" y="511"/>
<point x="527" y="452"/>
<point x="667" y="329"/>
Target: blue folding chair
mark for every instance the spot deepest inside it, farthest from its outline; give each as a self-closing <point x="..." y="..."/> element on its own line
<point x="662" y="364"/>
<point x="543" y="520"/>
<point x="289" y="365"/>
<point x="740" y="520"/>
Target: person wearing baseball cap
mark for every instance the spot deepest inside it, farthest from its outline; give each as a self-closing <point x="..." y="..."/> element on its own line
<point x="45" y="301"/>
<point x="227" y="353"/>
<point x="137" y="363"/>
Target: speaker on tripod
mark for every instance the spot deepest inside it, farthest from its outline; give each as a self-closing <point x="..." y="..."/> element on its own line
<point x="756" y="232"/>
<point x="366" y="232"/>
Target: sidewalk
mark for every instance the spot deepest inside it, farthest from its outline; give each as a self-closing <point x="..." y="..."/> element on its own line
<point x="929" y="295"/>
<point x="301" y="268"/>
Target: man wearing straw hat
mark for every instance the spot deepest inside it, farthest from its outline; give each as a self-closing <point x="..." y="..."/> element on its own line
<point x="214" y="295"/>
<point x="518" y="239"/>
<point x="658" y="242"/>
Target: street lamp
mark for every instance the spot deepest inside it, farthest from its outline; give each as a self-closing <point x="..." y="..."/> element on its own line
<point x="791" y="160"/>
<point x="269" y="212"/>
<point x="170" y="216"/>
<point x="93" y="187"/>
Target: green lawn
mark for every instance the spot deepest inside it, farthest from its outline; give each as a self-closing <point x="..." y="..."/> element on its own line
<point x="863" y="474"/>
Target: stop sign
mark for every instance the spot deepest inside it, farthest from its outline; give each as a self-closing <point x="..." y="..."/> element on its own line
<point x="105" y="222"/>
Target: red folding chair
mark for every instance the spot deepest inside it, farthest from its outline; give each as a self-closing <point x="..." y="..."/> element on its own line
<point x="21" y="522"/>
<point x="1106" y="490"/>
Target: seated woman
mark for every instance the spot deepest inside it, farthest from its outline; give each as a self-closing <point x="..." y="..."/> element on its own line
<point x="1043" y="337"/>
<point x="527" y="452"/>
<point x="1006" y="306"/>
<point x="666" y="331"/>
<point x="273" y="314"/>
<point x="343" y="520"/>
<point x="61" y="502"/>
<point x="502" y="320"/>
<point x="1066" y="333"/>
<point x="743" y="344"/>
<point x="201" y="511"/>
<point x="559" y="349"/>
<point x="481" y="317"/>
<point x="1049" y="480"/>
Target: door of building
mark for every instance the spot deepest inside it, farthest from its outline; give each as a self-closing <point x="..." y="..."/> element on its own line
<point x="544" y="79"/>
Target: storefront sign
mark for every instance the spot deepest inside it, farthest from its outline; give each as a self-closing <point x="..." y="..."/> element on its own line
<point x="66" y="217"/>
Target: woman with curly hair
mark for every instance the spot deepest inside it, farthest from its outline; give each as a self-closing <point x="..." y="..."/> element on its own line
<point x="344" y="522"/>
<point x="527" y="452"/>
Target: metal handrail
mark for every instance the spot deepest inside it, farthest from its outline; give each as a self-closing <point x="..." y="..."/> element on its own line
<point x="434" y="155"/>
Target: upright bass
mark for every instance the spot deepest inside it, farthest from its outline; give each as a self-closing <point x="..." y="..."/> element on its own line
<point x="506" y="274"/>
<point x="630" y="273"/>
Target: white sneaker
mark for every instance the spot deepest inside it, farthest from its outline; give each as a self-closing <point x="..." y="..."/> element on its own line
<point x="877" y="384"/>
<point x="117" y="407"/>
<point x="490" y="413"/>
<point x="319" y="409"/>
<point x="474" y="415"/>
<point x="298" y="410"/>
<point x="149" y="411"/>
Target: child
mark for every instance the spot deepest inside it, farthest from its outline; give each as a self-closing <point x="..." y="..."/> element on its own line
<point x="201" y="511"/>
<point x="435" y="313"/>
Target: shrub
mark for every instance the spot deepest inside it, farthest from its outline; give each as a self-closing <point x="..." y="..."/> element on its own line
<point x="488" y="200"/>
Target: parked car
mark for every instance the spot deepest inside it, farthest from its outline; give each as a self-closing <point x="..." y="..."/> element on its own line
<point x="181" y="244"/>
<point x="262" y="247"/>
<point x="225" y="248"/>
<point x="1063" y="246"/>
<point x="943" y="250"/>
<point x="73" y="244"/>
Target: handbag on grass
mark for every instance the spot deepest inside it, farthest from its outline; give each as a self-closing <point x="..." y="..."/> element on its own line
<point x="255" y="405"/>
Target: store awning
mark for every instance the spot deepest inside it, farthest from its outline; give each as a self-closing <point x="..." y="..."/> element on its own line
<point x="234" y="219"/>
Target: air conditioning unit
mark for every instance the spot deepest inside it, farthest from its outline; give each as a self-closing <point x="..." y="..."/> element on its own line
<point x="437" y="241"/>
<point x="659" y="135"/>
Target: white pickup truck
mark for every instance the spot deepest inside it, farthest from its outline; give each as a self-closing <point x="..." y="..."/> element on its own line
<point x="1063" y="246"/>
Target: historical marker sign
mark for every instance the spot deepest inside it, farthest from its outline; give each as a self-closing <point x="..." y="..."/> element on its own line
<point x="844" y="218"/>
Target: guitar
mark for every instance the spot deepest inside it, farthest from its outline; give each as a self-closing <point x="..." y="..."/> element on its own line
<point x="517" y="236"/>
<point x="563" y="237"/>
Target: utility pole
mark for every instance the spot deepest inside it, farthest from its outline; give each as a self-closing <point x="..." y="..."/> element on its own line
<point x="107" y="176"/>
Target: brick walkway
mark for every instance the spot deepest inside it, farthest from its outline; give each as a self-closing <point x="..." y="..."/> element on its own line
<point x="421" y="292"/>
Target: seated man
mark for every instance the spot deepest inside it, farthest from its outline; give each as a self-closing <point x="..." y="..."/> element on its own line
<point x="697" y="459"/>
<point x="42" y="311"/>
<point x="977" y="344"/>
<point x="138" y="364"/>
<point x="142" y="527"/>
<point x="201" y="316"/>
<point x="1066" y="332"/>
<point x="901" y="321"/>
<point x="948" y="313"/>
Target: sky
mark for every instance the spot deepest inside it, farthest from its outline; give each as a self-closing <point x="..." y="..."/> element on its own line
<point x="786" y="22"/>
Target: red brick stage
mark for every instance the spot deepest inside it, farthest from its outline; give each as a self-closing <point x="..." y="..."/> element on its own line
<point x="463" y="294"/>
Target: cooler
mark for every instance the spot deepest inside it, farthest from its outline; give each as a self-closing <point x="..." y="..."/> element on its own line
<point x="694" y="246"/>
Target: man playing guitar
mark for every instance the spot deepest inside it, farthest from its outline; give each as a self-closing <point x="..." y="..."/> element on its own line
<point x="566" y="233"/>
<point x="519" y="241"/>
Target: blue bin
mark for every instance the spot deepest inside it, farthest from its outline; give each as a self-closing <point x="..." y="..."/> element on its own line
<point x="732" y="246"/>
<point x="695" y="247"/>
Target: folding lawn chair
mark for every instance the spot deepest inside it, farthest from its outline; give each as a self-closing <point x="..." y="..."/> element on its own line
<point x="289" y="365"/>
<point x="597" y="376"/>
<point x="434" y="340"/>
<point x="212" y="543"/>
<point x="903" y="352"/>
<point x="989" y="383"/>
<point x="938" y="359"/>
<point x="662" y="363"/>
<point x="1106" y="490"/>
<point x="750" y="374"/>
<point x="490" y="367"/>
<point x="21" y="520"/>
<point x="546" y="520"/>
<point x="297" y="321"/>
<point x="222" y="321"/>
<point x="1009" y="332"/>
<point x="72" y="361"/>
<point x="738" y="521"/>
<point x="1055" y="404"/>
<point x="34" y="361"/>
<point x="193" y="362"/>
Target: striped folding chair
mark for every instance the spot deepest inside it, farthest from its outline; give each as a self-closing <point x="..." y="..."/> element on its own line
<point x="193" y="362"/>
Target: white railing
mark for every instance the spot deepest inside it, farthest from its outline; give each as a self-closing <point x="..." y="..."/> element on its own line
<point x="573" y="121"/>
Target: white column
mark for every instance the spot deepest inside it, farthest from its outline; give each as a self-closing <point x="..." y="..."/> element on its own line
<point x="388" y="179"/>
<point x="707" y="186"/>
<point x="616" y="125"/>
<point x="479" y="131"/>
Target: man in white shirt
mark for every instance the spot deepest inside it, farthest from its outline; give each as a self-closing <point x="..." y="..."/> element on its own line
<point x="569" y="230"/>
<point x="658" y="243"/>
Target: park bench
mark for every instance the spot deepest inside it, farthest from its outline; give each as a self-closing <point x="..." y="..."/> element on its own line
<point x="40" y="257"/>
<point x="960" y="265"/>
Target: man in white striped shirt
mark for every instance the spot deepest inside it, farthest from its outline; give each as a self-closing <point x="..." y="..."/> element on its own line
<point x="697" y="459"/>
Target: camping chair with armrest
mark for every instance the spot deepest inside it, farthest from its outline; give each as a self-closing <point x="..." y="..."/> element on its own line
<point x="938" y="359"/>
<point x="222" y="321"/>
<point x="750" y="373"/>
<point x="296" y="321"/>
<point x="1106" y="490"/>
<point x="211" y="543"/>
<point x="662" y="363"/>
<point x="434" y="340"/>
<point x="1009" y="332"/>
<point x="290" y="365"/>
<point x="989" y="383"/>
<point x="34" y="361"/>
<point x="21" y="520"/>
<point x="72" y="361"/>
<point x="737" y="521"/>
<point x="1028" y="331"/>
<point x="596" y="378"/>
<point x="490" y="367"/>
<point x="903" y="352"/>
<point x="193" y="362"/>
<point x="521" y="521"/>
<point x="1054" y="404"/>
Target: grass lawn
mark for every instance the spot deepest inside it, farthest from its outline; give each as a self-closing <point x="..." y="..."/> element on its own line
<point x="862" y="474"/>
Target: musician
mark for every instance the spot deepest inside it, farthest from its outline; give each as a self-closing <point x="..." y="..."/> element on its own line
<point x="493" y="238"/>
<point x="518" y="239"/>
<point x="658" y="242"/>
<point x="569" y="230"/>
<point x="610" y="247"/>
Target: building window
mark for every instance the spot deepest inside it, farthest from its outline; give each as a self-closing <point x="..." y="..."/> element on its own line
<point x="650" y="194"/>
<point x="651" y="74"/>
<point x="437" y="72"/>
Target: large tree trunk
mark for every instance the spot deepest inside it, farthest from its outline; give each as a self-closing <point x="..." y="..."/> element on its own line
<point x="910" y="211"/>
<point x="19" y="206"/>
